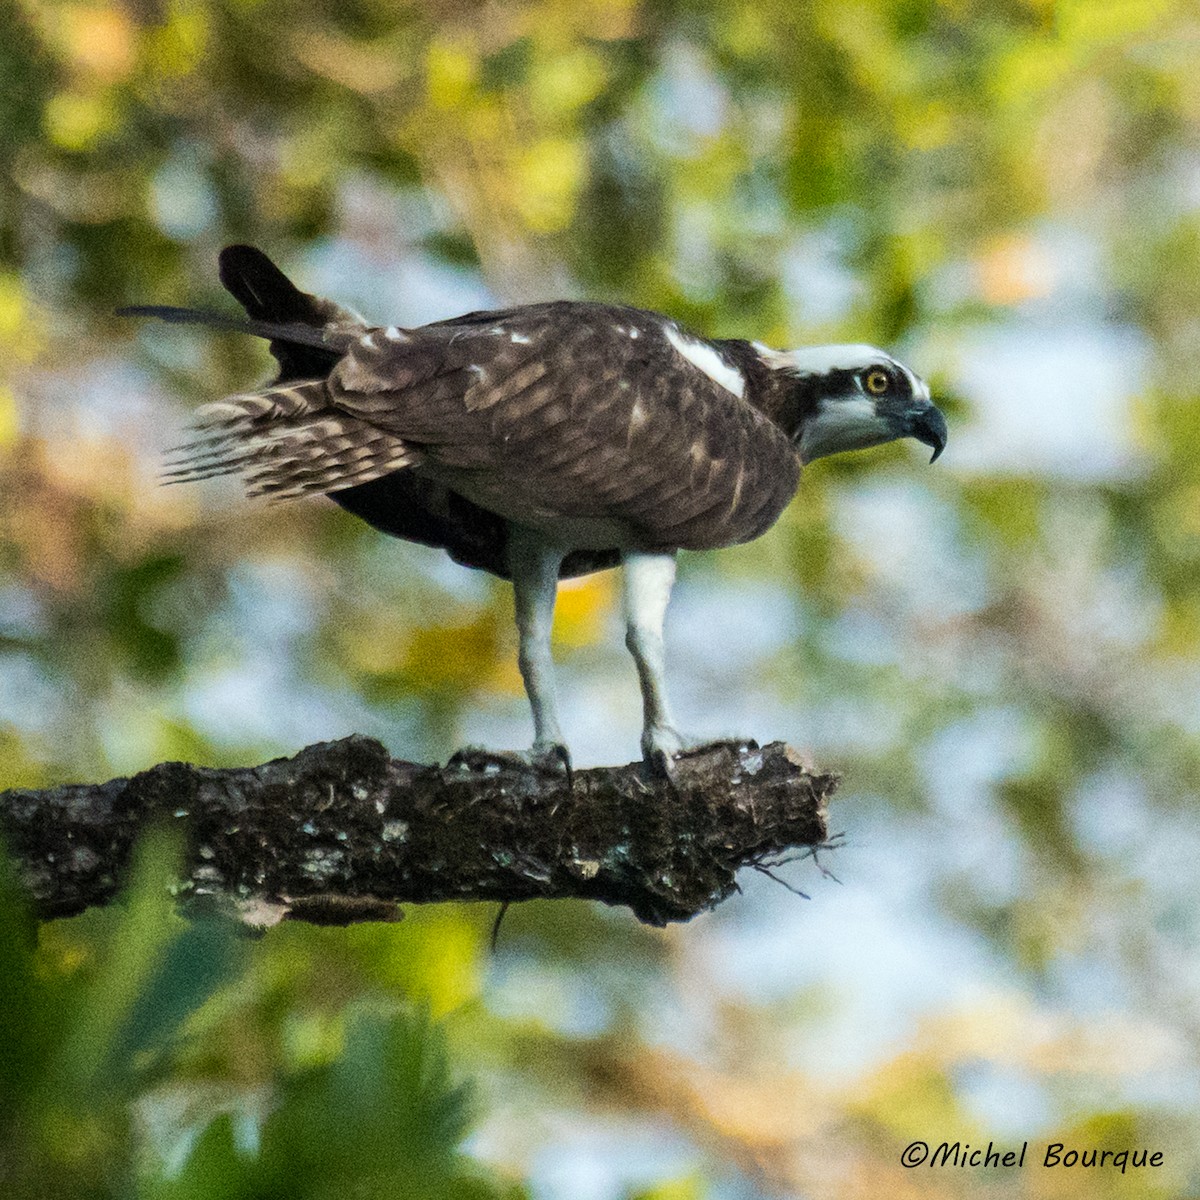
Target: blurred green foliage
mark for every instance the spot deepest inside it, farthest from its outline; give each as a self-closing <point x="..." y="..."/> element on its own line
<point x="1002" y="653"/>
<point x="122" y="1032"/>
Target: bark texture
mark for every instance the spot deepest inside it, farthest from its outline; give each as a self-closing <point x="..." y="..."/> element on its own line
<point x="343" y="833"/>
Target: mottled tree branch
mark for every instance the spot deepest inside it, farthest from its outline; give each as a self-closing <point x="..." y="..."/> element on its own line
<point x="341" y="832"/>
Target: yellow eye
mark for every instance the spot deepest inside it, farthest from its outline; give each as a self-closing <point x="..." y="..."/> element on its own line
<point x="877" y="382"/>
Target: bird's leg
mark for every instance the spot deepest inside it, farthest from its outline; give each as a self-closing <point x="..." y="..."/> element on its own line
<point x="647" y="580"/>
<point x="534" y="563"/>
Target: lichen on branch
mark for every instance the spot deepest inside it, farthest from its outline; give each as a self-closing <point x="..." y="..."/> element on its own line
<point x="341" y="832"/>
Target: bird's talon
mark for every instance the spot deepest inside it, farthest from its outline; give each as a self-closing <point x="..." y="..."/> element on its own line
<point x="480" y="758"/>
<point x="661" y="748"/>
<point x="662" y="766"/>
<point x="564" y="757"/>
<point x="552" y="758"/>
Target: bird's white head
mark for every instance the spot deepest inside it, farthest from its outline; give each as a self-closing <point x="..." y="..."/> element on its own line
<point x="849" y="397"/>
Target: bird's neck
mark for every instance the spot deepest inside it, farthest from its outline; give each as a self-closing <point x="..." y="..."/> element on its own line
<point x="773" y="392"/>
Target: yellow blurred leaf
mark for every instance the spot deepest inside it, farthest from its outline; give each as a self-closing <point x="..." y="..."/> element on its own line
<point x="747" y="30"/>
<point x="17" y="768"/>
<point x="177" y="47"/>
<point x="691" y="1187"/>
<point x="928" y="127"/>
<point x="1179" y="630"/>
<point x="305" y="160"/>
<point x="567" y="82"/>
<point x="548" y="178"/>
<point x="911" y="1095"/>
<point x="432" y="956"/>
<point x="1030" y="70"/>
<point x="583" y="608"/>
<point x="456" y="657"/>
<point x="313" y="1037"/>
<point x="1084" y="21"/>
<point x="451" y="70"/>
<point x="77" y="120"/>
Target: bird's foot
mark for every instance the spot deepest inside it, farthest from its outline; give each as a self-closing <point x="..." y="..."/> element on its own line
<point x="552" y="758"/>
<point x="661" y="746"/>
<point x="549" y="758"/>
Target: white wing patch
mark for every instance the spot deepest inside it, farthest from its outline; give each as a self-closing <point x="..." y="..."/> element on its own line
<point x="702" y="356"/>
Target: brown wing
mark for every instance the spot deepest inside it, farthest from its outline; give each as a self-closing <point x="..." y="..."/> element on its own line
<point x="562" y="413"/>
<point x="403" y="503"/>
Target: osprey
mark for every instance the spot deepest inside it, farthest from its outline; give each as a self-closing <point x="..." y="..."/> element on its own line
<point x="543" y="442"/>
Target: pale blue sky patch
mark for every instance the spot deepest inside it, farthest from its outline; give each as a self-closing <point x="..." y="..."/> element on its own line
<point x="1049" y="399"/>
<point x="183" y="203"/>
<point x="909" y="540"/>
<point x="595" y="1159"/>
<point x="818" y="284"/>
<point x="687" y="102"/>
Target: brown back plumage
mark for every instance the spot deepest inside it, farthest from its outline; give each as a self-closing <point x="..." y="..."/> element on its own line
<point x="579" y="419"/>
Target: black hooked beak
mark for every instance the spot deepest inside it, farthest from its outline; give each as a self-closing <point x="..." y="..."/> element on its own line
<point x="929" y="426"/>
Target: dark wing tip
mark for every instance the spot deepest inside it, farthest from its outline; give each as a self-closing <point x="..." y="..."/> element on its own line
<point x="240" y="257"/>
<point x="262" y="289"/>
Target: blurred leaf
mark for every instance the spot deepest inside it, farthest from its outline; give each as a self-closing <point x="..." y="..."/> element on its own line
<point x="692" y="1187"/>
<point x="399" y="1118"/>
<point x="136" y="630"/>
<point x="28" y="1014"/>
<point x="203" y="957"/>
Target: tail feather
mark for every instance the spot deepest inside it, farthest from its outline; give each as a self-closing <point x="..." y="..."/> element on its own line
<point x="286" y="441"/>
<point x="270" y="404"/>
<point x="322" y="338"/>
